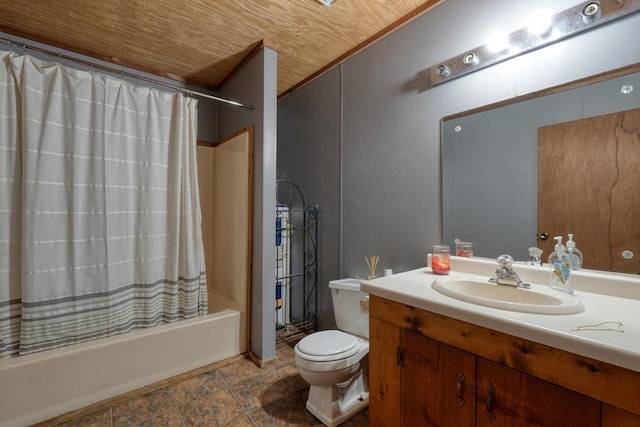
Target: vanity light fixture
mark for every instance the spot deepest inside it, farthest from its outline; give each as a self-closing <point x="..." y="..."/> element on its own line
<point x="540" y="31"/>
<point x="328" y="2"/>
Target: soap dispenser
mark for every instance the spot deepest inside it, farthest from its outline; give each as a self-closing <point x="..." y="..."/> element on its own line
<point x="575" y="255"/>
<point x="560" y="267"/>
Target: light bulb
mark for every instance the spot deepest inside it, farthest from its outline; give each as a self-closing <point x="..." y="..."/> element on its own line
<point x="626" y="89"/>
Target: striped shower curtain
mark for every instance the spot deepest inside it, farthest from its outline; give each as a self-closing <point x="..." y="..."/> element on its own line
<point x="100" y="223"/>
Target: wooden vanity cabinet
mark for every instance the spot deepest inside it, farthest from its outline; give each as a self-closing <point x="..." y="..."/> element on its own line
<point x="430" y="370"/>
<point x="415" y="380"/>
<point x="438" y="383"/>
<point x="385" y="374"/>
<point x="507" y="397"/>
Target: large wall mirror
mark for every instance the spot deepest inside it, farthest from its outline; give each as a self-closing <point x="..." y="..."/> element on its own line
<point x="562" y="161"/>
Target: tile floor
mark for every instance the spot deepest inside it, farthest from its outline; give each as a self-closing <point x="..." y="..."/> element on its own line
<point x="237" y="394"/>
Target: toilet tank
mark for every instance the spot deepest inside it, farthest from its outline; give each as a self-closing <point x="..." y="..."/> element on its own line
<point x="349" y="315"/>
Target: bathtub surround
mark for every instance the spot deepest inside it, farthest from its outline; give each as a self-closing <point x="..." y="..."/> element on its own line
<point x="226" y="192"/>
<point x="54" y="382"/>
<point x="255" y="84"/>
<point x="100" y="215"/>
<point x="127" y="361"/>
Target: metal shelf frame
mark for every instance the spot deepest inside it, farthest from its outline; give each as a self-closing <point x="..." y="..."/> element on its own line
<point x="303" y="276"/>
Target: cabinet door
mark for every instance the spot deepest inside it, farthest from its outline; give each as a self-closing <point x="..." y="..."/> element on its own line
<point x="506" y="397"/>
<point x="384" y="373"/>
<point x="438" y="384"/>
<point x="615" y="417"/>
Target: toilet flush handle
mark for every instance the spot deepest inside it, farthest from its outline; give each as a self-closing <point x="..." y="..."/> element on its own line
<point x="364" y="305"/>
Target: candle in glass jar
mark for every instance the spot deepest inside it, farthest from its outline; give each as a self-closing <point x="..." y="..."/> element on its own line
<point x="440" y="259"/>
<point x="464" y="249"/>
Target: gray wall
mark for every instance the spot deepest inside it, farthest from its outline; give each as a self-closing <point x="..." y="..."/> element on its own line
<point x="390" y="129"/>
<point x="309" y="152"/>
<point x="255" y="84"/>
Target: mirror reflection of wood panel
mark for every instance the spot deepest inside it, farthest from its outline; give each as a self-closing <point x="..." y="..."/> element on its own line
<point x="588" y="179"/>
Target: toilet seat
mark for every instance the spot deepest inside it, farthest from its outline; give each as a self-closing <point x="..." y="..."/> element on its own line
<point x="345" y="351"/>
<point x="325" y="346"/>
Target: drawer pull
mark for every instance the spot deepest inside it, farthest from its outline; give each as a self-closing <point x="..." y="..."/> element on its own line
<point x="491" y="391"/>
<point x="459" y="389"/>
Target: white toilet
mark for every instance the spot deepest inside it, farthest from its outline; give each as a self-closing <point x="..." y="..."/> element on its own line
<point x="335" y="362"/>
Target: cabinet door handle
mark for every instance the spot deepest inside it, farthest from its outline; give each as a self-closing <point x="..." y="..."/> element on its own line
<point x="491" y="391"/>
<point x="459" y="389"/>
<point x="399" y="356"/>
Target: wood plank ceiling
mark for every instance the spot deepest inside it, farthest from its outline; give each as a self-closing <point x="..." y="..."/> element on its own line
<point x="203" y="41"/>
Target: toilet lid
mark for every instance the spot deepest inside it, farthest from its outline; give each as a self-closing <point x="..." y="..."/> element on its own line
<point x="329" y="343"/>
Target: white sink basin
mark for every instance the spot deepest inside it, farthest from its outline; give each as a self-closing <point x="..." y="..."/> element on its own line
<point x="540" y="299"/>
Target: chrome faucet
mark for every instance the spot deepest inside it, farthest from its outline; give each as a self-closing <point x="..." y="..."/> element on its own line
<point x="505" y="275"/>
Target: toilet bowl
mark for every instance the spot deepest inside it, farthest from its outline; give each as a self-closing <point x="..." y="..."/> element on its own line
<point x="335" y="362"/>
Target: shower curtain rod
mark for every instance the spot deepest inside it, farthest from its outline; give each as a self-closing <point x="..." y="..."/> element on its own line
<point x="121" y="72"/>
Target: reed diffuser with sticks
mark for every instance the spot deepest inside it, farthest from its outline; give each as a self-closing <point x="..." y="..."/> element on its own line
<point x="372" y="264"/>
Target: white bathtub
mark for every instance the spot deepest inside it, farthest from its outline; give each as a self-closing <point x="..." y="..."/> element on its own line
<point x="41" y="386"/>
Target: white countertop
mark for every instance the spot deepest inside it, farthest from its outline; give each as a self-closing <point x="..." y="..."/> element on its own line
<point x="618" y="302"/>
